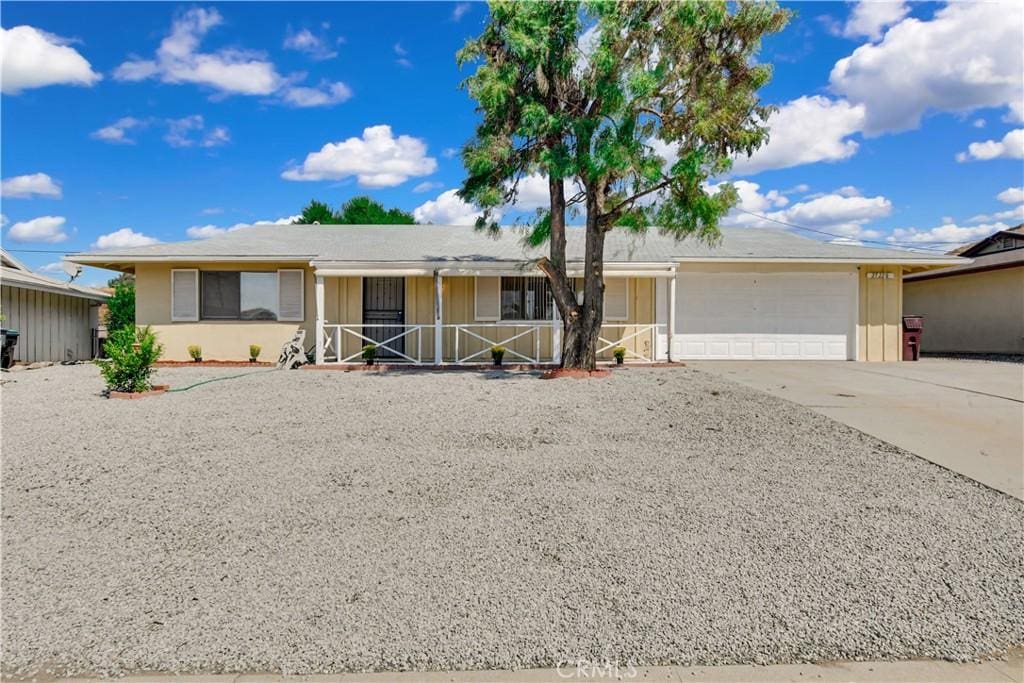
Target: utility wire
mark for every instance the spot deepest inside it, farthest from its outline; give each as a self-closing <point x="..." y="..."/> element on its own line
<point x="847" y="237"/>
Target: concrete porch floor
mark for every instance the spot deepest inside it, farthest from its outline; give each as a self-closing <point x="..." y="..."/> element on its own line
<point x="967" y="416"/>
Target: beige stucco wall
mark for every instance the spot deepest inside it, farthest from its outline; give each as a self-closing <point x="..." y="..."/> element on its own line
<point x="880" y="315"/>
<point x="974" y="312"/>
<point x="223" y="339"/>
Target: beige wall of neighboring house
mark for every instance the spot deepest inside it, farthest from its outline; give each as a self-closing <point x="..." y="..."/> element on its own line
<point x="221" y="340"/>
<point x="979" y="312"/>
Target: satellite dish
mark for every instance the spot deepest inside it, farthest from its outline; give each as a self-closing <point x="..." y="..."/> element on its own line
<point x="72" y="270"/>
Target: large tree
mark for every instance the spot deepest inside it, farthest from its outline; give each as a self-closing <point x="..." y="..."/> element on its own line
<point x="356" y="211"/>
<point x="633" y="104"/>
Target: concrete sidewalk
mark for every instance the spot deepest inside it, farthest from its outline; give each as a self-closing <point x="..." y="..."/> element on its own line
<point x="967" y="416"/>
<point x="1010" y="670"/>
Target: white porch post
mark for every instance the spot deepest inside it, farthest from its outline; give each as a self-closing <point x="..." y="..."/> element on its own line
<point x="438" y="332"/>
<point x="671" y="313"/>
<point x="556" y="335"/>
<point x="319" y="332"/>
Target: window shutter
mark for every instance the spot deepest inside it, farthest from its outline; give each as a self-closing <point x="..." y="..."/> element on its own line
<point x="616" y="298"/>
<point x="291" y="295"/>
<point x="488" y="298"/>
<point x="184" y="294"/>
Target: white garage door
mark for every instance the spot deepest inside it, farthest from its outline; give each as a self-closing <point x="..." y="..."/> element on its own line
<point x="766" y="315"/>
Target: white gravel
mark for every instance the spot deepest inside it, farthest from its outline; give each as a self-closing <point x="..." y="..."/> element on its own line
<point x="314" y="521"/>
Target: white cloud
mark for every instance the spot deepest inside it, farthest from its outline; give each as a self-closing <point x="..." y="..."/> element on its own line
<point x="804" y="131"/>
<point x="1014" y="215"/>
<point x="117" y="132"/>
<point x="402" y="56"/>
<point x="1011" y="195"/>
<point x="177" y="60"/>
<point x="43" y="229"/>
<point x="198" y="232"/>
<point x="377" y="159"/>
<point x="950" y="233"/>
<point x="448" y="209"/>
<point x="1010" y="147"/>
<point x="212" y="211"/>
<point x="31" y="58"/>
<point x="845" y="215"/>
<point x="55" y="267"/>
<point x="325" y="95"/>
<point x="460" y="10"/>
<point x="3" y="220"/>
<point x="190" y="131"/>
<point x="533" y="193"/>
<point x="940" y="64"/>
<point x="870" y="17"/>
<point x="449" y="152"/>
<point x="122" y="239"/>
<point x="978" y="123"/>
<point x="27" y="186"/>
<point x="314" y="46"/>
<point x="427" y="186"/>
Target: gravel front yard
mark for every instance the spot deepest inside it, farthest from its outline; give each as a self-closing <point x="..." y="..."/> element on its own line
<point x="326" y="521"/>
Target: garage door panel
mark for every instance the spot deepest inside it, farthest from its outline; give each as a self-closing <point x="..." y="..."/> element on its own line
<point x="767" y="315"/>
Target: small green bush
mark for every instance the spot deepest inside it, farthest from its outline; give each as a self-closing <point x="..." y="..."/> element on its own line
<point x="497" y="353"/>
<point x="131" y="353"/>
<point x="619" y="352"/>
<point x="121" y="307"/>
<point x="369" y="352"/>
<point x="196" y="352"/>
<point x="254" y="351"/>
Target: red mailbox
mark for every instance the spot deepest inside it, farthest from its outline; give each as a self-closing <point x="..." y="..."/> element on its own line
<point x="913" y="328"/>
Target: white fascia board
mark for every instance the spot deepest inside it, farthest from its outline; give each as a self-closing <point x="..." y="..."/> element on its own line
<point x="96" y="259"/>
<point x="482" y="268"/>
<point x="936" y="261"/>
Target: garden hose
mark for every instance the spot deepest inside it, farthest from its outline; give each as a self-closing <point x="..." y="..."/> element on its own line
<point x="220" y="379"/>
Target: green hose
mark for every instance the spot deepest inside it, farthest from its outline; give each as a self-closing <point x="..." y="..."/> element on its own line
<point x="220" y="379"/>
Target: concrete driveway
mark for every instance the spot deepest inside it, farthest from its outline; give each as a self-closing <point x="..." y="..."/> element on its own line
<point x="967" y="416"/>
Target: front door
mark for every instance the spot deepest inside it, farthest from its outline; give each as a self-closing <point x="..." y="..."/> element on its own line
<point x="384" y="305"/>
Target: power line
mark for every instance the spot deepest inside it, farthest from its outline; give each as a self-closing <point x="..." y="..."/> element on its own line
<point x="39" y="251"/>
<point x="847" y="237"/>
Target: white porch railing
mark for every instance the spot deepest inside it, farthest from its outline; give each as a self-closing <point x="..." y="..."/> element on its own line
<point x="529" y="332"/>
<point x="627" y="333"/>
<point x="406" y="344"/>
<point x="334" y="339"/>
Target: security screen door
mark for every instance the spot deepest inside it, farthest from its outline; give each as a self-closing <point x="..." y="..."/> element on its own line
<point x="384" y="304"/>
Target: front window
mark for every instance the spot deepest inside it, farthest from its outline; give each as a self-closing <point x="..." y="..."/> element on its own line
<point x="227" y="295"/>
<point x="526" y="298"/>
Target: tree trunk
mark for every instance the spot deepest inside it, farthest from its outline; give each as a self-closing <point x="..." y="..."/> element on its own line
<point x="579" y="349"/>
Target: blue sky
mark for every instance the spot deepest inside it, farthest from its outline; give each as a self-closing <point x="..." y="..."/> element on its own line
<point x="129" y="122"/>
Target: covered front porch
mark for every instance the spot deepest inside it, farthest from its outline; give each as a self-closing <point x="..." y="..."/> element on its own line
<point x="453" y="316"/>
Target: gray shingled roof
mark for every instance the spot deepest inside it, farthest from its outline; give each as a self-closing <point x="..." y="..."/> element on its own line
<point x="455" y="243"/>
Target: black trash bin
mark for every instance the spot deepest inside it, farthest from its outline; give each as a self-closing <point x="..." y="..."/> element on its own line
<point x="913" y="328"/>
<point x="10" y="340"/>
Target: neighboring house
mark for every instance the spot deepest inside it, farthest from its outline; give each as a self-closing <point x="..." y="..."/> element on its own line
<point x="56" y="321"/>
<point x="975" y="307"/>
<point x="444" y="294"/>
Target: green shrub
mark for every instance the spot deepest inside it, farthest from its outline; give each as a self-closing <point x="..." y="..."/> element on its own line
<point x="369" y="352"/>
<point x="619" y="352"/>
<point x="131" y="353"/>
<point x="121" y="307"/>
<point x="497" y="353"/>
<point x="196" y="352"/>
<point x="254" y="351"/>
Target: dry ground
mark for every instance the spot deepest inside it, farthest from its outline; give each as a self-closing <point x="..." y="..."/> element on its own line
<point x="324" y="521"/>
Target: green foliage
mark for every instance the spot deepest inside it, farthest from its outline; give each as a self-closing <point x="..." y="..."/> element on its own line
<point x="196" y="352"/>
<point x="369" y="351"/>
<point x="356" y="211"/>
<point x="254" y="351"/>
<point x="316" y="212"/>
<point x="131" y="353"/>
<point x="121" y="306"/>
<point x="497" y="353"/>
<point x="365" y="211"/>
<point x="619" y="352"/>
<point x="123" y="277"/>
<point x="658" y="98"/>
